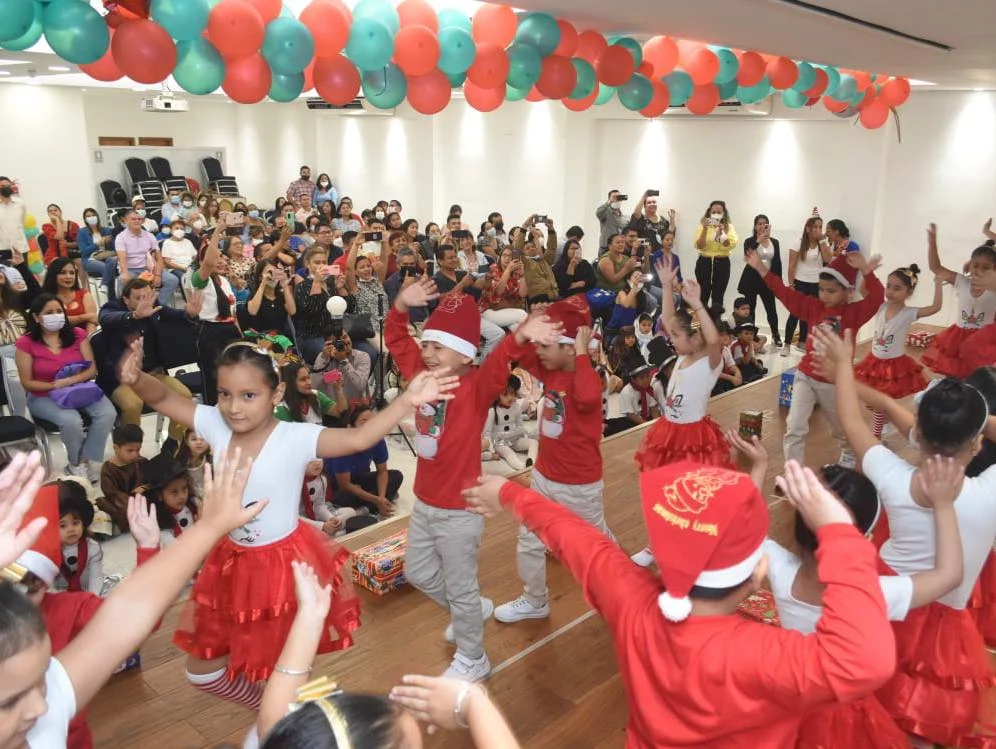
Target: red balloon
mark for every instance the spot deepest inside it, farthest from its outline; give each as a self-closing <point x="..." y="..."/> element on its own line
<point x="247" y="80"/>
<point x="822" y="81"/>
<point x="557" y="77"/>
<point x="328" y="21"/>
<point x="615" y="66"/>
<point x="833" y="105"/>
<point x="309" y="77"/>
<point x="430" y="93"/>
<point x="144" y="51"/>
<point x="687" y="48"/>
<point x="703" y="66"/>
<point x="534" y="95"/>
<point x="782" y="73"/>
<point x="862" y="78"/>
<point x="418" y="13"/>
<point x="591" y="44"/>
<point x="752" y="67"/>
<point x="268" y="9"/>
<point x="646" y="70"/>
<point x="568" y="39"/>
<point x="235" y="28"/>
<point x="895" y="92"/>
<point x="416" y="50"/>
<point x="704" y="99"/>
<point x="812" y="100"/>
<point x="104" y="69"/>
<point x="579" y="105"/>
<point x="336" y="79"/>
<point x="662" y="53"/>
<point x="874" y="115"/>
<point x="496" y="24"/>
<point x="661" y="101"/>
<point x="490" y="68"/>
<point x="483" y="99"/>
<point x="869" y="97"/>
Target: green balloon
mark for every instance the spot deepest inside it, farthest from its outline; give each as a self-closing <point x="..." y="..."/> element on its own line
<point x="794" y="99"/>
<point x="457" y="80"/>
<point x="286" y="88"/>
<point x="679" y="84"/>
<point x="515" y="94"/>
<point x="286" y="12"/>
<point x="729" y="66"/>
<point x="378" y="10"/>
<point x="524" y="66"/>
<point x="605" y="93"/>
<point x="75" y="31"/>
<point x="31" y="36"/>
<point x="754" y="94"/>
<point x="539" y="31"/>
<point x="288" y="46"/>
<point x="586" y="79"/>
<point x="727" y="90"/>
<point x="183" y="19"/>
<point x="199" y="69"/>
<point x="452" y="18"/>
<point x="17" y="19"/>
<point x="636" y="93"/>
<point x="632" y="46"/>
<point x="370" y="44"/>
<point x="385" y="88"/>
<point x="834" y="75"/>
<point x="807" y="77"/>
<point x="456" y="50"/>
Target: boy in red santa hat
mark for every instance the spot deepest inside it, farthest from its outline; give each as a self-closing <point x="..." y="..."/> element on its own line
<point x="569" y="464"/>
<point x="696" y="674"/>
<point x="443" y="538"/>
<point x="65" y="613"/>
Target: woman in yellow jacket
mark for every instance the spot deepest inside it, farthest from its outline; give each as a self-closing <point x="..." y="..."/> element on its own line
<point x="715" y="240"/>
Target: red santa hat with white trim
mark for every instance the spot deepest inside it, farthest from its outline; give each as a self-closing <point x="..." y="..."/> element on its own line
<point x="706" y="528"/>
<point x="572" y="313"/>
<point x="44" y="557"/>
<point x="455" y="324"/>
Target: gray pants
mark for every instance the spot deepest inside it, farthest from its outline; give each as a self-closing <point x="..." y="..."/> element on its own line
<point x="441" y="561"/>
<point x="585" y="501"/>
<point x="807" y="393"/>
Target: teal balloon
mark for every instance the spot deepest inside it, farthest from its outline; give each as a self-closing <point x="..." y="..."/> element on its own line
<point x="456" y="50"/>
<point x="586" y="78"/>
<point x="847" y="88"/>
<point x="288" y="46"/>
<point x="754" y="94"/>
<point x="807" y="77"/>
<point x="370" y="44"/>
<point x="30" y="37"/>
<point x="539" y="31"/>
<point x="17" y="18"/>
<point x="183" y="19"/>
<point x="385" y="88"/>
<point x="515" y="94"/>
<point x="450" y="18"/>
<point x="680" y="85"/>
<point x="727" y="90"/>
<point x="793" y="98"/>
<point x="378" y="10"/>
<point x="75" y="31"/>
<point x="729" y="66"/>
<point x="632" y="46"/>
<point x="286" y="12"/>
<point x="636" y="93"/>
<point x="605" y="94"/>
<point x="199" y="69"/>
<point x="834" y="75"/>
<point x="456" y="81"/>
<point x="524" y="66"/>
<point x="286" y="88"/>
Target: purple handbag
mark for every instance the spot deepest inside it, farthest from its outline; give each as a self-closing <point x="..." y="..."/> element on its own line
<point x="80" y="395"/>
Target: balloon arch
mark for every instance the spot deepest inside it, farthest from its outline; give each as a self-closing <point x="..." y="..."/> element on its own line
<point x="253" y="49"/>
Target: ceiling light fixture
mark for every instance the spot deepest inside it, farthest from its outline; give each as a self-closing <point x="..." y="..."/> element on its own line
<point x="58" y="68"/>
<point x="915" y="82"/>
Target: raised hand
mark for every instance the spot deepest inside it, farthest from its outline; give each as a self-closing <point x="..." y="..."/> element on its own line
<point x="19" y="483"/>
<point x="940" y="480"/>
<point x="143" y="523"/>
<point x="312" y="597"/>
<point x="814" y="502"/>
<point x="666" y="273"/>
<point x="195" y="302"/>
<point x="830" y="350"/>
<point x="753" y="450"/>
<point x="430" y="387"/>
<point x="433" y="699"/>
<point x="540" y="329"/>
<point x="483" y="498"/>
<point x="419" y="294"/>
<point x="224" y="486"/>
<point x="691" y="292"/>
<point x="581" y="340"/>
<point x="146" y="308"/>
<point x="754" y="261"/>
<point x="130" y="366"/>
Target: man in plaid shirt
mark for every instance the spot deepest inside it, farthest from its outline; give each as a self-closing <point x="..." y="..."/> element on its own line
<point x="297" y="189"/>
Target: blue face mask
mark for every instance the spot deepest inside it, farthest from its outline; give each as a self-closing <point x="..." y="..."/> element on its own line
<point x="253" y="214"/>
<point x="175" y="200"/>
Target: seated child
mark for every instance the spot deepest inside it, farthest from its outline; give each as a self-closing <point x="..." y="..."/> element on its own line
<point x="637" y="402"/>
<point x="504" y="435"/>
<point x="644" y="334"/>
<point x="741" y="315"/>
<point x="81" y="567"/>
<point x="530" y="391"/>
<point x="744" y="352"/>
<point x="194" y="454"/>
<point x="624" y="354"/>
<point x="730" y="377"/>
<point x="169" y="489"/>
<point x="121" y="473"/>
<point x="317" y="507"/>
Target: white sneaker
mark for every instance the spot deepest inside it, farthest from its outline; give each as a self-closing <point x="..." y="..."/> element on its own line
<point x="786" y="349"/>
<point x="80" y="470"/>
<point x="463" y="668"/>
<point x="643" y="558"/>
<point x="521" y="609"/>
<point x="847" y="459"/>
<point x="487" y="609"/>
<point x="801" y="348"/>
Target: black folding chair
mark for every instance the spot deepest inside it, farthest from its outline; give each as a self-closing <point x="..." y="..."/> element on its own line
<point x="115" y="198"/>
<point x="164" y="173"/>
<point x="178" y="350"/>
<point x="217" y="180"/>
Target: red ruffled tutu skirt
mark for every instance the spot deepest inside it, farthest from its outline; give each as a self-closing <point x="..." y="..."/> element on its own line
<point x="243" y="602"/>
<point x="983" y="601"/>
<point x="863" y="723"/>
<point x="946" y="354"/>
<point x="666" y="442"/>
<point x="981" y="352"/>
<point x="942" y="673"/>
<point x="896" y="378"/>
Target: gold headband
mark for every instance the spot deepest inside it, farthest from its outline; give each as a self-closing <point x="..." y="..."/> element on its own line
<point x="13" y="573"/>
<point x="318" y="692"/>
<point x="910" y="275"/>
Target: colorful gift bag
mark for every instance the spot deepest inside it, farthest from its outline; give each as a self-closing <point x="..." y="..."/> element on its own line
<point x="380" y="567"/>
<point x="920" y="338"/>
<point x="761" y="607"/>
<point x="750" y="424"/>
<point x="785" y="388"/>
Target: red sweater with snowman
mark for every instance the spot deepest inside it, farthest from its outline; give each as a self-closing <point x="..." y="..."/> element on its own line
<point x="448" y="433"/>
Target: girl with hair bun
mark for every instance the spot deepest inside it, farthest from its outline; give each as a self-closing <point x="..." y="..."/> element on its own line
<point x="887" y="367"/>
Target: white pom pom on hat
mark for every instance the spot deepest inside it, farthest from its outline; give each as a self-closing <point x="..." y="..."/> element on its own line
<point x="674" y="609"/>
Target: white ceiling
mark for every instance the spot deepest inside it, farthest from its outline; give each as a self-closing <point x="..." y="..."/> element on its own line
<point x="774" y="26"/>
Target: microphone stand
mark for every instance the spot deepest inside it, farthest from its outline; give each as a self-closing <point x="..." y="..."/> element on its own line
<point x="378" y="400"/>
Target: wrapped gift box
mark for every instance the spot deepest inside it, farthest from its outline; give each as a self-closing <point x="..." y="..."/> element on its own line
<point x="380" y="567"/>
<point x="919" y="338"/>
<point x="760" y="607"/>
<point x="750" y="424"/>
<point x="785" y="388"/>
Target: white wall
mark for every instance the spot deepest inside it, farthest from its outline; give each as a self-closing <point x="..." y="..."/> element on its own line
<point x="539" y="157"/>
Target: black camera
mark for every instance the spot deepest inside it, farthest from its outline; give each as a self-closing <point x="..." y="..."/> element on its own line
<point x="339" y="345"/>
<point x="408" y="271"/>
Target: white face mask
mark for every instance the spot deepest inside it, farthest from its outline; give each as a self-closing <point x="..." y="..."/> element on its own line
<point x="141" y="212"/>
<point x="379" y="215"/>
<point x="615" y="205"/>
<point x="324" y="184"/>
<point x="716" y="216"/>
<point x="179" y="234"/>
<point x="53" y="322"/>
<point x="337" y="242"/>
<point x="198" y="224"/>
<point x="92" y="220"/>
<point x="492" y="232"/>
<point x="188" y="204"/>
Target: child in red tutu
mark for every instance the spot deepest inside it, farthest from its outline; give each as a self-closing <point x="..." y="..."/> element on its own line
<point x="685" y="431"/>
<point x="983" y="603"/>
<point x="242" y="604"/>
<point x="948" y="354"/>
<point x="943" y="667"/>
<point x="888" y="368"/>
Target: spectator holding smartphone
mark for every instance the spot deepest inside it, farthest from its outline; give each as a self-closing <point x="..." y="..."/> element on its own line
<point x="574" y="274"/>
<point x="610" y="218"/>
<point x="503" y="300"/>
<point x="407" y="274"/>
<point x="715" y="240"/>
<point x="271" y="304"/>
<point x="649" y="224"/>
<point x="537" y="262"/>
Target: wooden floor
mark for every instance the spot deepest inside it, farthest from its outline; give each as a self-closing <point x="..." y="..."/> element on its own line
<point x="556" y="680"/>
